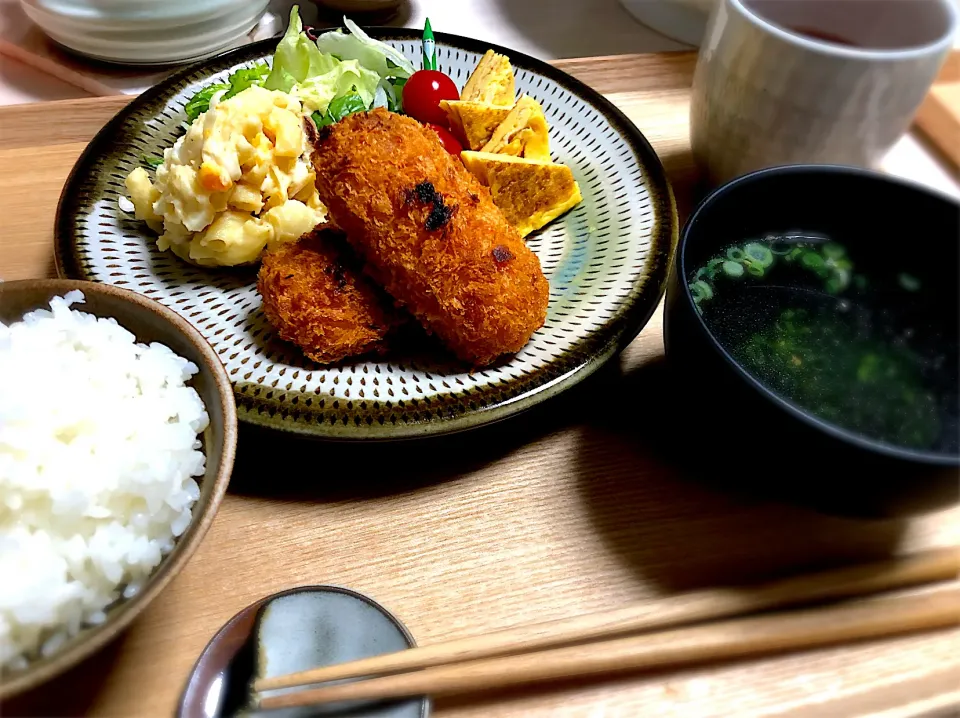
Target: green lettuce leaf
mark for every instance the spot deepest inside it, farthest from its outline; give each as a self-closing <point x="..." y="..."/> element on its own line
<point x="246" y="77"/>
<point x="394" y="90"/>
<point x="296" y="57"/>
<point x="200" y="102"/>
<point x="318" y="91"/>
<point x="236" y="83"/>
<point x="340" y="108"/>
<point x="372" y="54"/>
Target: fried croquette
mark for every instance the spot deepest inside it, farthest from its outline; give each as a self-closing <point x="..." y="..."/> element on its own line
<point x="430" y="234"/>
<point x="316" y="296"/>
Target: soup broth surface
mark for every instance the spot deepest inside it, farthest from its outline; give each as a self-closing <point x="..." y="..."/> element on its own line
<point x="855" y="348"/>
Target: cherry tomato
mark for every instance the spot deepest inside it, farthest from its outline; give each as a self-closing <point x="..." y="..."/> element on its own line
<point x="422" y="94"/>
<point x="448" y="141"/>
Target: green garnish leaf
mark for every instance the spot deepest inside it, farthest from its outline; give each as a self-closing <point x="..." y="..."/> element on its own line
<point x="235" y="84"/>
<point x="246" y="77"/>
<point x="339" y="108"/>
<point x="151" y="163"/>
<point x="200" y="103"/>
<point x="346" y="105"/>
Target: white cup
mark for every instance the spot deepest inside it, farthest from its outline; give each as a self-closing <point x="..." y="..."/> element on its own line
<point x="770" y="90"/>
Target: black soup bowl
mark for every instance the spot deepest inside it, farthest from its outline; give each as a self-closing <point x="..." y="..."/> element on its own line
<point x="812" y="324"/>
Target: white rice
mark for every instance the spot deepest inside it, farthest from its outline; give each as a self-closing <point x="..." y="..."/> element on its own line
<point x="98" y="444"/>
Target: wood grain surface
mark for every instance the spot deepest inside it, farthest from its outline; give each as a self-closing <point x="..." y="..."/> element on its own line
<point x="939" y="115"/>
<point x="570" y="509"/>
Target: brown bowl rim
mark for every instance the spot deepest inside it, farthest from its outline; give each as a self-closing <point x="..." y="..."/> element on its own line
<point x="99" y="636"/>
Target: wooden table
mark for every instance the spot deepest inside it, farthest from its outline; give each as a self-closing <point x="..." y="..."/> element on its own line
<point x="567" y="510"/>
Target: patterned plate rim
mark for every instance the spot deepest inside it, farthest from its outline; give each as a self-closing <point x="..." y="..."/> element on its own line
<point x="631" y="317"/>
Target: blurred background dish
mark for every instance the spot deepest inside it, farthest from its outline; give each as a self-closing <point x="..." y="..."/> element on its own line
<point x="359" y="6"/>
<point x="681" y="20"/>
<point x="139" y="32"/>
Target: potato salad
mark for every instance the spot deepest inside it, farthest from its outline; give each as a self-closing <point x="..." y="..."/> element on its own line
<point x="238" y="181"/>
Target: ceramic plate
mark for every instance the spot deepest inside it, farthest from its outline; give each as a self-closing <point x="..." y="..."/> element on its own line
<point x="607" y="262"/>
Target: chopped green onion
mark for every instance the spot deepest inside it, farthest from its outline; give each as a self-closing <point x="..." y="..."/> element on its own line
<point x="869" y="367"/>
<point x="701" y="290"/>
<point x="843" y="276"/>
<point x="909" y="282"/>
<point x="759" y="253"/>
<point x="755" y="269"/>
<point x="736" y="254"/>
<point x="834" y="285"/>
<point x="832" y="250"/>
<point x="713" y="266"/>
<point x="812" y="260"/>
<point x="732" y="269"/>
<point x="796" y="253"/>
<point x="781" y="248"/>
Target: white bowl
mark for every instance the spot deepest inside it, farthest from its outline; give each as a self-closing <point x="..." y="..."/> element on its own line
<point x="681" y="20"/>
<point x="145" y="32"/>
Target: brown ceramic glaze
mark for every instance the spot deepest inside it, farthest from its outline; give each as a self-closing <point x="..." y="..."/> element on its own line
<point x="149" y="322"/>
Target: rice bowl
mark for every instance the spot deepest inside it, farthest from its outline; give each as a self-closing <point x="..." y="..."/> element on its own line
<point x="103" y="440"/>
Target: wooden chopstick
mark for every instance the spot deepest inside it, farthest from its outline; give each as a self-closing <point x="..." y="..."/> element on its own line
<point x="924" y="567"/>
<point x="738" y="638"/>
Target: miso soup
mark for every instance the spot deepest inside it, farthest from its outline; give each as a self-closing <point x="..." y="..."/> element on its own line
<point x="836" y="336"/>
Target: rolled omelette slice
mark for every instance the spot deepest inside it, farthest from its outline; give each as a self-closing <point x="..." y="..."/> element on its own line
<point x="431" y="234"/>
<point x="491" y="81"/>
<point x="523" y="132"/>
<point x="530" y="193"/>
<point x="473" y="122"/>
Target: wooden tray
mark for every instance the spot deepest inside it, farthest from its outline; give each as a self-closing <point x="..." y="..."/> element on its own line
<point x="571" y="510"/>
<point x="939" y="116"/>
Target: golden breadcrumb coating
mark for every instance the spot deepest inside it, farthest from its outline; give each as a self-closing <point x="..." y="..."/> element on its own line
<point x="430" y="234"/>
<point x="316" y="296"/>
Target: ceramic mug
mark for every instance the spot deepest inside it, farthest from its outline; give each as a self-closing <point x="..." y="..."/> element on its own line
<point x="812" y="81"/>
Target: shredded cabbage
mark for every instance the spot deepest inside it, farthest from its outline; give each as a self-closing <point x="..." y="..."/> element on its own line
<point x="318" y="91"/>
<point x="374" y="55"/>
